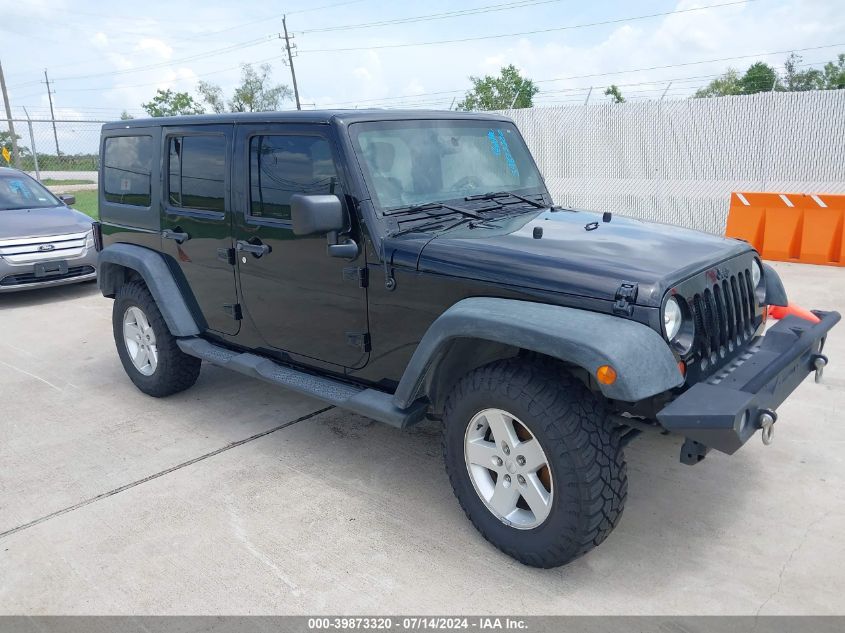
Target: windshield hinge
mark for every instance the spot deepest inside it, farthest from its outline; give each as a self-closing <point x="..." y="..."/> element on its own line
<point x="361" y="275"/>
<point x="626" y="295"/>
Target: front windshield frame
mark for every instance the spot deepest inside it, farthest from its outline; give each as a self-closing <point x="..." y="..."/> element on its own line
<point x="516" y="147"/>
<point x="36" y="188"/>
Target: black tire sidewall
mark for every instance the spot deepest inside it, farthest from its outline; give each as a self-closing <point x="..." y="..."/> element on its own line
<point x="559" y="538"/>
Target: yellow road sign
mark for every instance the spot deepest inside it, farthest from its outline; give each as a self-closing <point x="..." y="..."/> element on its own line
<point x="7" y="155"/>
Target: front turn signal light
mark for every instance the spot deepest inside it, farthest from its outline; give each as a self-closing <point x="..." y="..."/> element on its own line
<point x="606" y="375"/>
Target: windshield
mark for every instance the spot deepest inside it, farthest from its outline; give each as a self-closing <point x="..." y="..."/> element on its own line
<point x="416" y="162"/>
<point x="18" y="191"/>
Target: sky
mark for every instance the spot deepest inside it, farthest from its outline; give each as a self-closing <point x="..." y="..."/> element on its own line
<point x="107" y="57"/>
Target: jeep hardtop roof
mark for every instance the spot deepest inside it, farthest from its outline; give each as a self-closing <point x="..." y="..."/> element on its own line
<point x="342" y="117"/>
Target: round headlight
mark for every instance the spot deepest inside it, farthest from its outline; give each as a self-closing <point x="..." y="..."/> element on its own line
<point x="672" y="318"/>
<point x="756" y="273"/>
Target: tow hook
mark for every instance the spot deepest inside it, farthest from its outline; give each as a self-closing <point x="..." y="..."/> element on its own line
<point x="766" y="422"/>
<point x="819" y="362"/>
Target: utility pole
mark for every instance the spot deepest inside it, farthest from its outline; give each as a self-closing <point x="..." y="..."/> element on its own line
<point x="52" y="115"/>
<point x="9" y="116"/>
<point x="290" y="62"/>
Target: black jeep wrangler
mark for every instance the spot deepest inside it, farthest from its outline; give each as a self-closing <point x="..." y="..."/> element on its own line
<point x="412" y="265"/>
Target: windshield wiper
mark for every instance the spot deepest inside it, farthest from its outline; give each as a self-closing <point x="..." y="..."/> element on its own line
<point x="414" y="208"/>
<point x="507" y="194"/>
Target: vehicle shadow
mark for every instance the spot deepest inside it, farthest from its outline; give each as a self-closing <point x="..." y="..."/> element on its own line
<point x="41" y="296"/>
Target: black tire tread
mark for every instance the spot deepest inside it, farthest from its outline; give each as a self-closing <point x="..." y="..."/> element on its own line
<point x="176" y="371"/>
<point x="580" y="435"/>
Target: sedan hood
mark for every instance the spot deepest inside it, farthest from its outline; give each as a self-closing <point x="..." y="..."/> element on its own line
<point x="576" y="253"/>
<point x="39" y="222"/>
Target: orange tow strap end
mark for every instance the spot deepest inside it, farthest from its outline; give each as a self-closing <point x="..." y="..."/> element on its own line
<point x="779" y="312"/>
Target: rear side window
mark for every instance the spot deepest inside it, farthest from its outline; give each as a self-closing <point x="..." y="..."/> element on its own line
<point x="197" y="172"/>
<point x="127" y="169"/>
<point x="281" y="166"/>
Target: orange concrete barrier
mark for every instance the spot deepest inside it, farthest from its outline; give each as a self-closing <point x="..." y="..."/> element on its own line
<point x="790" y="227"/>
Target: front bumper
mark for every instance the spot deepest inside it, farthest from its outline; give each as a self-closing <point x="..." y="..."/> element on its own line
<point x="17" y="277"/>
<point x="725" y="410"/>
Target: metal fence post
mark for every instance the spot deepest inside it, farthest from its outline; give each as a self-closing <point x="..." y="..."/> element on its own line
<point x="32" y="145"/>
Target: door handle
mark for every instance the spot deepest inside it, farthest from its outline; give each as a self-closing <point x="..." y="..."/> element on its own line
<point x="256" y="249"/>
<point x="177" y="235"/>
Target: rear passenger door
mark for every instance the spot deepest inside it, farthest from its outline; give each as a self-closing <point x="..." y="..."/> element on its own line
<point x="196" y="218"/>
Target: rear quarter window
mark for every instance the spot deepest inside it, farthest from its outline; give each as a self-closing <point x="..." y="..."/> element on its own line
<point x="127" y="170"/>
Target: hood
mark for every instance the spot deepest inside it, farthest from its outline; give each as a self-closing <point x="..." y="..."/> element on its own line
<point x="42" y="221"/>
<point x="569" y="258"/>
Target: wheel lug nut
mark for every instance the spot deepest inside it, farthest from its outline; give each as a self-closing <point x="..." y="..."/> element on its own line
<point x="507" y="480"/>
<point x="521" y="480"/>
<point x="520" y="460"/>
<point x="497" y="460"/>
<point x="506" y="448"/>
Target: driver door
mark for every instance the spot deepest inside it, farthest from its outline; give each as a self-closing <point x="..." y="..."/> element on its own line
<point x="300" y="300"/>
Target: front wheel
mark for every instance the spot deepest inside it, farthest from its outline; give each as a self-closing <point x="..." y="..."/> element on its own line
<point x="147" y="349"/>
<point x="534" y="461"/>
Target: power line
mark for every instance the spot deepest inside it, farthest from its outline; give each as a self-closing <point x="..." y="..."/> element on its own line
<point x="534" y="32"/>
<point x="433" y="16"/>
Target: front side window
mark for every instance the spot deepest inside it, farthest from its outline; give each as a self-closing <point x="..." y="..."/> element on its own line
<point x="415" y="162"/>
<point x="127" y="169"/>
<point x="283" y="165"/>
<point x="197" y="172"/>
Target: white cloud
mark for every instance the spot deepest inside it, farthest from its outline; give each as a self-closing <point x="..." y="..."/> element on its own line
<point x="153" y="45"/>
<point x="100" y="39"/>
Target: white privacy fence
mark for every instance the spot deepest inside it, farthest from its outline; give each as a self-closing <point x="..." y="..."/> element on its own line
<point x="678" y="161"/>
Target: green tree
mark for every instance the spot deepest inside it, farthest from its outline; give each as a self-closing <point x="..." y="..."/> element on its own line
<point x="125" y="116"/>
<point x="834" y="73"/>
<point x="508" y="90"/>
<point x="723" y="85"/>
<point x="614" y="93"/>
<point x="760" y="77"/>
<point x="795" y="80"/>
<point x="254" y="94"/>
<point x="169" y="103"/>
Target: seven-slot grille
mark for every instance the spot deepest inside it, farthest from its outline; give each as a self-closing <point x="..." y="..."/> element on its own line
<point x="724" y="315"/>
<point x="27" y="250"/>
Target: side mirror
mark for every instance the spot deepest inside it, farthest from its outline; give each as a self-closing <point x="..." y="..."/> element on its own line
<point x="68" y="200"/>
<point x="322" y="215"/>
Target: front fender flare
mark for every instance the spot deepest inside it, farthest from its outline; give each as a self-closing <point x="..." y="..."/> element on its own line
<point x="644" y="364"/>
<point x="115" y="259"/>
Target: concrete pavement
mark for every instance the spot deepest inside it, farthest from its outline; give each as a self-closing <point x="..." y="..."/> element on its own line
<point x="236" y="497"/>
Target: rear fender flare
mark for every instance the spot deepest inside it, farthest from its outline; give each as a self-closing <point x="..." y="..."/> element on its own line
<point x="175" y="305"/>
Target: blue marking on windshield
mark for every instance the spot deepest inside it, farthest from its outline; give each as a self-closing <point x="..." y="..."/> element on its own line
<point x="508" y="156"/>
<point x="494" y="144"/>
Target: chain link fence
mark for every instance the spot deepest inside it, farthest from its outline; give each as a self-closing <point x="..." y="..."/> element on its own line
<point x="678" y="161"/>
<point x="52" y="149"/>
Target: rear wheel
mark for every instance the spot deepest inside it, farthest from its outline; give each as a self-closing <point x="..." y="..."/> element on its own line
<point x="533" y="461"/>
<point x="147" y="349"/>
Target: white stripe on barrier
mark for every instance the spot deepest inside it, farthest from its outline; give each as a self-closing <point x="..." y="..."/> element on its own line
<point x="819" y="201"/>
<point x="786" y="200"/>
<point x="743" y="200"/>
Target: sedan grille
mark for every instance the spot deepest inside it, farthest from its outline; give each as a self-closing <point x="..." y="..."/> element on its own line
<point x="26" y="250"/>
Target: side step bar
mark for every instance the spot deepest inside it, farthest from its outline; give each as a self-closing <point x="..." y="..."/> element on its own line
<point x="367" y="402"/>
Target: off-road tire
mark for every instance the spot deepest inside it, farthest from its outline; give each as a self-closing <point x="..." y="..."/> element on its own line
<point x="175" y="371"/>
<point x="586" y="460"/>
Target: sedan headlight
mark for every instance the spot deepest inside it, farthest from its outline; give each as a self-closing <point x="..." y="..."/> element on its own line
<point x="89" y="239"/>
<point x="672" y="318"/>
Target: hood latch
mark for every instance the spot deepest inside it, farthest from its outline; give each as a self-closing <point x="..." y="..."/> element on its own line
<point x="626" y="295"/>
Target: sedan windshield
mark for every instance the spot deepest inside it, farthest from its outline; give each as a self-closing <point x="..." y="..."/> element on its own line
<point x="408" y="163"/>
<point x="18" y="191"/>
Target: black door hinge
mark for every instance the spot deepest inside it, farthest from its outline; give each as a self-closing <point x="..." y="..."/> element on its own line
<point x="234" y="311"/>
<point x="226" y="255"/>
<point x="626" y="295"/>
<point x="361" y="340"/>
<point x="361" y="275"/>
